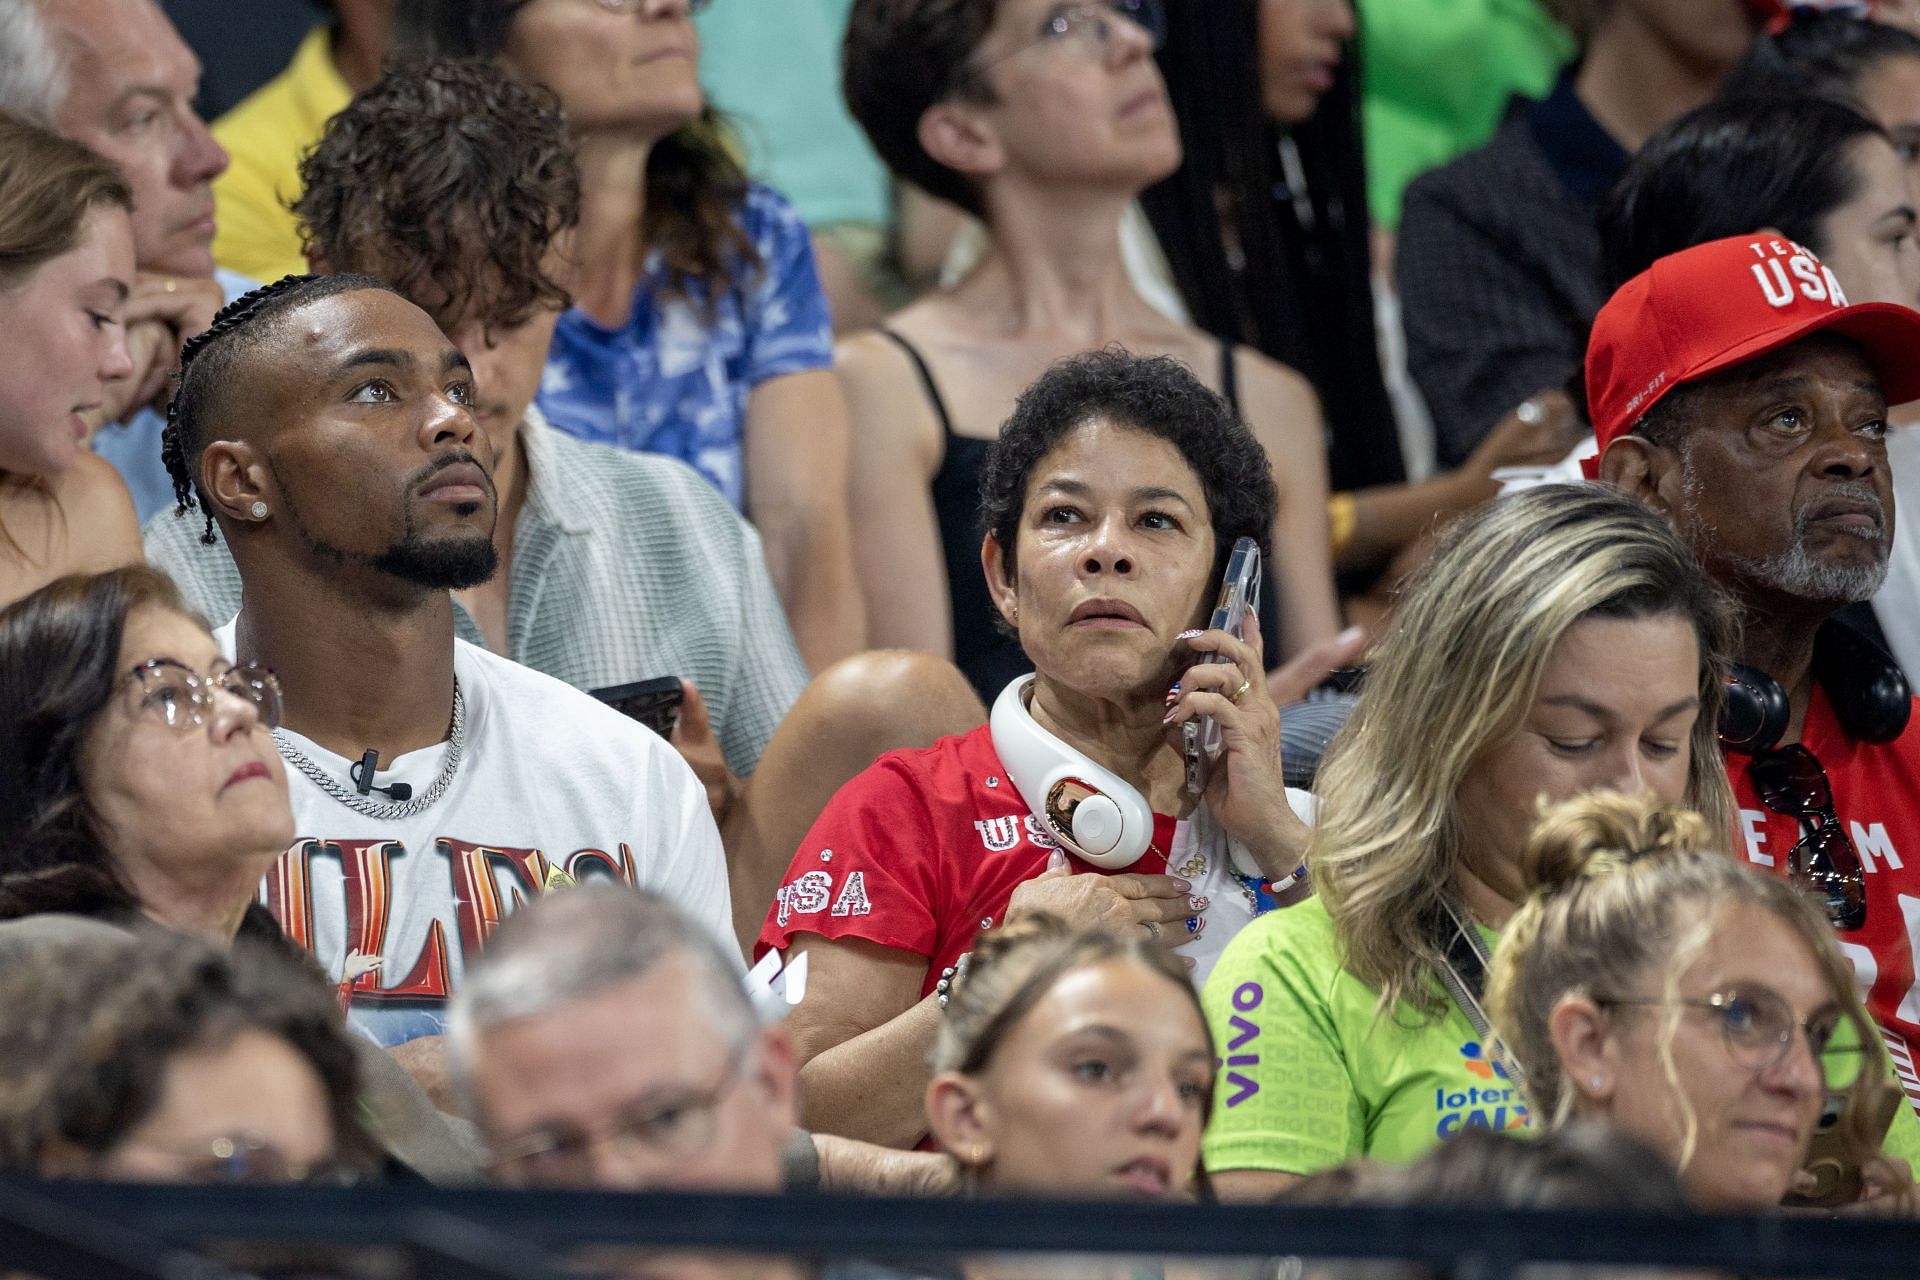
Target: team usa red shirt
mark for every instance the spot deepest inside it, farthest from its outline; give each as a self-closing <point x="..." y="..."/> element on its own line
<point x="1876" y="793"/>
<point x="925" y="848"/>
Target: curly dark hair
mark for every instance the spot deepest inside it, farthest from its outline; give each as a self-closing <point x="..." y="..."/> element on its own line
<point x="902" y="57"/>
<point x="209" y="364"/>
<point x="89" y="1026"/>
<point x="1156" y="395"/>
<point x="695" y="185"/>
<point x="449" y="180"/>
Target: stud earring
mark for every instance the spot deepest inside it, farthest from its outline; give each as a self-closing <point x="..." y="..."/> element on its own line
<point x="1598" y="1082"/>
<point x="258" y="511"/>
<point x="976" y="1154"/>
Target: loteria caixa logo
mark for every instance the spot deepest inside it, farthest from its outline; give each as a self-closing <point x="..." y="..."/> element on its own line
<point x="1496" y="1105"/>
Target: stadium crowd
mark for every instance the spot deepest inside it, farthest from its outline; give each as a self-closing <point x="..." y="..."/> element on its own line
<point x="628" y="594"/>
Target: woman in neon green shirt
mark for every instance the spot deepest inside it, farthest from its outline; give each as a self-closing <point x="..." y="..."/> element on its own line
<point x="1561" y="640"/>
<point x="1653" y="983"/>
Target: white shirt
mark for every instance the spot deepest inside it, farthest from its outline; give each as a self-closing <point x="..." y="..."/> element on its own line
<point x="549" y="780"/>
<point x="1896" y="606"/>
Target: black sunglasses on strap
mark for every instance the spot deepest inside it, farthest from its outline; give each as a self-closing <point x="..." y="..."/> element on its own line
<point x="1792" y="781"/>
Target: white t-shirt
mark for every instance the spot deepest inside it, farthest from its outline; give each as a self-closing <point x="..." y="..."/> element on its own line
<point x="1897" y="605"/>
<point x="549" y="779"/>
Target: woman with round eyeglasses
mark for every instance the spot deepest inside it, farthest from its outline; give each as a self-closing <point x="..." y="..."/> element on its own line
<point x="140" y="791"/>
<point x="699" y="327"/>
<point x="162" y="1059"/>
<point x="138" y="776"/>
<point x="1045" y="120"/>
<point x="1652" y="982"/>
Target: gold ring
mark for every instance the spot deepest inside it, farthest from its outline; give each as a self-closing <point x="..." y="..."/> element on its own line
<point x="172" y="285"/>
<point x="1241" y="692"/>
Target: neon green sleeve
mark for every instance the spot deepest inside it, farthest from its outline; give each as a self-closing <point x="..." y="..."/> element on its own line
<point x="1283" y="1099"/>
<point x="1903" y="1136"/>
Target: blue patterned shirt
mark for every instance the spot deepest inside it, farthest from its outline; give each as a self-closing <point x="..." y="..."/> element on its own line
<point x="672" y="381"/>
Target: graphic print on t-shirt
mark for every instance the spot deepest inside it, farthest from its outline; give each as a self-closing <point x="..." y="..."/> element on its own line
<point x="1876" y="794"/>
<point x="398" y="995"/>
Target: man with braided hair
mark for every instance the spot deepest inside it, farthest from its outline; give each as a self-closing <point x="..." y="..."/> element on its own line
<point x="327" y="428"/>
<point x="616" y="566"/>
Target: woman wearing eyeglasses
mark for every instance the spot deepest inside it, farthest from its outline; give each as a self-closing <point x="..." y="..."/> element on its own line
<point x="699" y="328"/>
<point x="66" y="263"/>
<point x="140" y="790"/>
<point x="1653" y="982"/>
<point x="1046" y="120"/>
<point x="160" y="1059"/>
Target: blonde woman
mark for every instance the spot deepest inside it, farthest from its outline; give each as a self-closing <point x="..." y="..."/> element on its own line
<point x="66" y="265"/>
<point x="1560" y="640"/>
<point x="1654" y="983"/>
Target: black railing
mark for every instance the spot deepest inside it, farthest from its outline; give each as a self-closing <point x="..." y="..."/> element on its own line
<point x="125" y="1232"/>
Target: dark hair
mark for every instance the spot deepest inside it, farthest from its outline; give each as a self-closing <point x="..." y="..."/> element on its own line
<point x="59" y="670"/>
<point x="694" y="183"/>
<point x="1156" y="395"/>
<point x="1820" y="51"/>
<point x="48" y="186"/>
<point x="1581" y="1166"/>
<point x="1282" y="267"/>
<point x="1730" y="168"/>
<point x="89" y="1027"/>
<point x="450" y="180"/>
<point x="902" y="57"/>
<point x="211" y="360"/>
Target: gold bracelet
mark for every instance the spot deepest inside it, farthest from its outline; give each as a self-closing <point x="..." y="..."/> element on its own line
<point x="1342" y="515"/>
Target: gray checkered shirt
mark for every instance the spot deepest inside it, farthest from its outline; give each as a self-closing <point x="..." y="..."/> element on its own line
<point x="625" y="566"/>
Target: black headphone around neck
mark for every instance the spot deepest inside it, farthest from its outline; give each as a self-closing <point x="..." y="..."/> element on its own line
<point x="1866" y="687"/>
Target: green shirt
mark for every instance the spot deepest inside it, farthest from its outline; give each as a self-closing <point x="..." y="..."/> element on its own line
<point x="1438" y="76"/>
<point x="1311" y="1076"/>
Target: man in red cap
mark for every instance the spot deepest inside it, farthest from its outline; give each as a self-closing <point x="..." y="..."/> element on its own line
<point x="1733" y="390"/>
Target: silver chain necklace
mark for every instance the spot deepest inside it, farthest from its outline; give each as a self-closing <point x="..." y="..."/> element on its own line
<point x="385" y="810"/>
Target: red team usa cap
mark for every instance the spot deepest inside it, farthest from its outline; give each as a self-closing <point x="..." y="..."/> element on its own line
<point x="1720" y="304"/>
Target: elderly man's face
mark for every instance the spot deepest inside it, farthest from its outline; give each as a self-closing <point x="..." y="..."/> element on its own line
<point x="1776" y="474"/>
<point x="131" y="82"/>
<point x="640" y="1085"/>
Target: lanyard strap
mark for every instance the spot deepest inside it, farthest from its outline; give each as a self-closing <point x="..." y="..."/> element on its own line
<point x="1464" y="974"/>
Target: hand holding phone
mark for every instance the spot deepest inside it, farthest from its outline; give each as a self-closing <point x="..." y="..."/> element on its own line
<point x="1238" y="603"/>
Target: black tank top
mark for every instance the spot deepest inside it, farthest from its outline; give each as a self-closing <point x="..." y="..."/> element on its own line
<point x="988" y="657"/>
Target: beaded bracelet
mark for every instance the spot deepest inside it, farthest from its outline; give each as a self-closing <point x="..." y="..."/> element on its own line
<point x="949" y="976"/>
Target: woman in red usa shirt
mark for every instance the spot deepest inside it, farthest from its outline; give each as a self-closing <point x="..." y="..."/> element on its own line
<point x="1110" y="502"/>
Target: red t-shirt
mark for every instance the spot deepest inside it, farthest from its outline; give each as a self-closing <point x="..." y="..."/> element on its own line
<point x="920" y="852"/>
<point x="1876" y="793"/>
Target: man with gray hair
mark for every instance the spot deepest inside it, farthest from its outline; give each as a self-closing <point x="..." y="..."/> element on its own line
<point x="603" y="1039"/>
<point x="1733" y="390"/>
<point x="115" y="76"/>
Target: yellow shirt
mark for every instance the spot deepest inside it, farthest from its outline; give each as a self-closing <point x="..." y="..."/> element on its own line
<point x="266" y="135"/>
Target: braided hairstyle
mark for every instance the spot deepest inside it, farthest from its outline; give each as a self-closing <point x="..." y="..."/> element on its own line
<point x="209" y="362"/>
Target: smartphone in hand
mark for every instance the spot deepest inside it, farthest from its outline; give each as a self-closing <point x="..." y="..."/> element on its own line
<point x="1238" y="603"/>
<point x="654" y="703"/>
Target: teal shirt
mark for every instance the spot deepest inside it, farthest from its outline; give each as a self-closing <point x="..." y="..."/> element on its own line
<point x="773" y="66"/>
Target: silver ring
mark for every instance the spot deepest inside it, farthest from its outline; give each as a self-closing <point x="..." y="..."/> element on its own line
<point x="1153" y="930"/>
